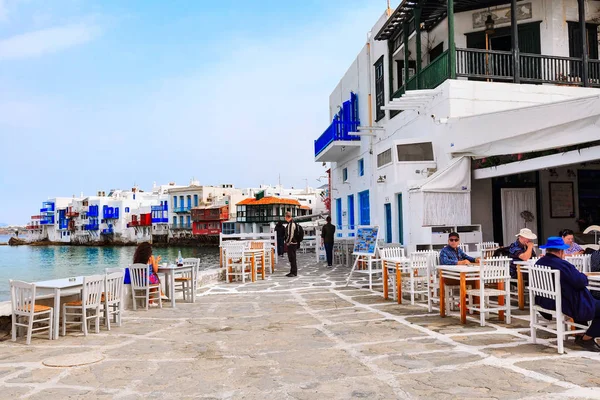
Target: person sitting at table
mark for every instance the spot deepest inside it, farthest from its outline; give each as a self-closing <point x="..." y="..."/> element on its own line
<point x="521" y="249"/>
<point x="577" y="301"/>
<point x="574" y="248"/>
<point x="143" y="255"/>
<point x="452" y="254"/>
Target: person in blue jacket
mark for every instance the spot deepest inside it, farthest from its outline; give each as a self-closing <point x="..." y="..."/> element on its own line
<point x="577" y="301"/>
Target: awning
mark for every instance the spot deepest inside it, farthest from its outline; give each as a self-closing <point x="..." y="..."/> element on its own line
<point x="526" y="129"/>
<point x="456" y="177"/>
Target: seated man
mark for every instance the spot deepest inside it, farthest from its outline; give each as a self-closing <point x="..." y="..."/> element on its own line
<point x="577" y="301"/>
<point x="454" y="255"/>
<point x="521" y="249"/>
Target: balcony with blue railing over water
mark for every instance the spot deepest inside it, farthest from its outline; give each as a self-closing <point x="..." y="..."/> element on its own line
<point x="338" y="137"/>
<point x="92" y="225"/>
<point x="108" y="231"/>
<point x="93" y="211"/>
<point x="160" y="214"/>
<point x="47" y="220"/>
<point x="47" y="207"/>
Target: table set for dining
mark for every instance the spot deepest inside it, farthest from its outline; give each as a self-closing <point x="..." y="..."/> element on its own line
<point x="242" y="258"/>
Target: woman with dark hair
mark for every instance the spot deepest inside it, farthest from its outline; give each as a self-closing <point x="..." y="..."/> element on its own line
<point x="143" y="255"/>
<point x="574" y="248"/>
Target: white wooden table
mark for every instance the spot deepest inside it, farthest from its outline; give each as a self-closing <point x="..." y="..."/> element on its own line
<point x="170" y="272"/>
<point x="57" y="285"/>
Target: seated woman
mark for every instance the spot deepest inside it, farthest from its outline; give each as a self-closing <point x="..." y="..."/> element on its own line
<point x="574" y="248"/>
<point x="143" y="255"/>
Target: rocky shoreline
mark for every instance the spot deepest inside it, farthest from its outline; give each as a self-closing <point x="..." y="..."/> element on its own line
<point x="170" y="243"/>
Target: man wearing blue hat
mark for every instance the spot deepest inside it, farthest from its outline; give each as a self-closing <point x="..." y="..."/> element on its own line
<point x="577" y="301"/>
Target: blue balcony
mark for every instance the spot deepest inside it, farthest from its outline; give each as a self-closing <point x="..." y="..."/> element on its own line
<point x="47" y="207"/>
<point x="63" y="224"/>
<point x="93" y="226"/>
<point x="179" y="210"/>
<point x="108" y="231"/>
<point x="93" y="211"/>
<point x="110" y="212"/>
<point x="47" y="220"/>
<point x="338" y="140"/>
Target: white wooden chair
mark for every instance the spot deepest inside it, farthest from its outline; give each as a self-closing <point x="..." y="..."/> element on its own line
<point x="112" y="298"/>
<point x="389" y="256"/>
<point x="545" y="282"/>
<point x="464" y="247"/>
<point x="487" y="249"/>
<point x="86" y="309"/>
<point x="514" y="283"/>
<point x="582" y="262"/>
<point x="22" y="298"/>
<point x="187" y="282"/>
<point x="140" y="283"/>
<point x="419" y="277"/>
<point x="236" y="262"/>
<point x="492" y="271"/>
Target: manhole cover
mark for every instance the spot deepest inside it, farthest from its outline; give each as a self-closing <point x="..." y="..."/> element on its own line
<point x="73" y="360"/>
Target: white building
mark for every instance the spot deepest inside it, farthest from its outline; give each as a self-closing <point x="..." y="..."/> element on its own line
<point x="467" y="138"/>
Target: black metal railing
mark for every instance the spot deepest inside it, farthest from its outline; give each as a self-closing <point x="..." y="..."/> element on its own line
<point x="594" y="73"/>
<point x="536" y="68"/>
<point x="484" y="64"/>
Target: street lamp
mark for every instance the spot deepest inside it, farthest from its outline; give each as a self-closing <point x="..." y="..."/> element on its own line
<point x="489" y="30"/>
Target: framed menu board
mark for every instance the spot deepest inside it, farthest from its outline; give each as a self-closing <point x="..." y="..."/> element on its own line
<point x="562" y="202"/>
<point x="365" y="242"/>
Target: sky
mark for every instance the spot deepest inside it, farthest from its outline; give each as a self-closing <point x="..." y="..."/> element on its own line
<point x="107" y="94"/>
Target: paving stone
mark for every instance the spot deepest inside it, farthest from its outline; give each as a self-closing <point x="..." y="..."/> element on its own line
<point x="578" y="370"/>
<point x="487" y="339"/>
<point x="406" y="362"/>
<point x="370" y="331"/>
<point x="37" y="375"/>
<point x="448" y="325"/>
<point x="403" y="347"/>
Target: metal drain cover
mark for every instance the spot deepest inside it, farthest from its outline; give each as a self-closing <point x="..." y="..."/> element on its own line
<point x="73" y="360"/>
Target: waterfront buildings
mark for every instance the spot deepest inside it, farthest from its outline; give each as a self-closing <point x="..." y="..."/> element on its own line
<point x="165" y="213"/>
<point x="477" y="116"/>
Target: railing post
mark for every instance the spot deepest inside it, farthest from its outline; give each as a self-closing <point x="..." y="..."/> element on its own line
<point x="406" y="53"/>
<point x="584" y="48"/>
<point x="515" y="42"/>
<point x="417" y="12"/>
<point x="451" y="43"/>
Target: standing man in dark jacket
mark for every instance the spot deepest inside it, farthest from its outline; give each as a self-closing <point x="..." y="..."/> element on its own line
<point x="577" y="301"/>
<point x="327" y="235"/>
<point x="292" y="245"/>
<point x="280" y="230"/>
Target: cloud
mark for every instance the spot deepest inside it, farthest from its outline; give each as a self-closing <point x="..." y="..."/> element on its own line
<point x="46" y="41"/>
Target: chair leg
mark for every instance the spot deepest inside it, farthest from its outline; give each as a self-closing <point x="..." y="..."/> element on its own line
<point x="29" y="329"/>
<point x="84" y="321"/>
<point x="107" y="315"/>
<point x="97" y="319"/>
<point x="560" y="326"/>
<point x="64" y="321"/>
<point x="14" y="328"/>
<point x="134" y="299"/>
<point x="147" y="298"/>
<point x="50" y="323"/>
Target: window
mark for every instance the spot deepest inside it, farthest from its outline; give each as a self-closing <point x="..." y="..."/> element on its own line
<point x="415" y="152"/>
<point x="379" y="89"/>
<point x="345" y="174"/>
<point x="384" y="158"/>
<point x="195" y="200"/>
<point x="338" y="213"/>
<point x="126" y="209"/>
<point x="364" y="208"/>
<point x="175" y="201"/>
<point x="174" y="221"/>
<point x="361" y="167"/>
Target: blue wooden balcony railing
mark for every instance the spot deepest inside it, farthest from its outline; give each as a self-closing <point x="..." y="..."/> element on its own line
<point x="343" y="123"/>
<point x="93" y="226"/>
<point x="181" y="209"/>
<point x="47" y="220"/>
<point x="110" y="212"/>
<point x="108" y="231"/>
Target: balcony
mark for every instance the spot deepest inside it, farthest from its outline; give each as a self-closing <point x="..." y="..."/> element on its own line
<point x="63" y="224"/>
<point x="93" y="226"/>
<point x="498" y="66"/>
<point x="160" y="220"/>
<point x="180" y="210"/>
<point x="47" y="220"/>
<point x="36" y="217"/>
<point x="108" y="231"/>
<point x="110" y="212"/>
<point x="338" y="138"/>
<point x="33" y="227"/>
<point x="180" y="227"/>
<point x="47" y="207"/>
<point x="72" y="214"/>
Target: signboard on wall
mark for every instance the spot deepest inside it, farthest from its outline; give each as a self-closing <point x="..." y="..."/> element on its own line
<point x="562" y="202"/>
<point x="501" y="15"/>
<point x="365" y="241"/>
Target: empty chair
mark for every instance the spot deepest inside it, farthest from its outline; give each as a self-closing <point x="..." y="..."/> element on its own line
<point x="492" y="271"/>
<point x="419" y="279"/>
<point x="545" y="282"/>
<point x="186" y="281"/>
<point x="236" y="263"/>
<point x="22" y="297"/>
<point x="487" y="249"/>
<point x="141" y="288"/>
<point x="391" y="258"/>
<point x="112" y="298"/>
<point x="260" y="258"/>
<point x="86" y="309"/>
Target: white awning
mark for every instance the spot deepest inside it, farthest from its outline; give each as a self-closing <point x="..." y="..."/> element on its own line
<point x="526" y="129"/>
<point x="456" y="177"/>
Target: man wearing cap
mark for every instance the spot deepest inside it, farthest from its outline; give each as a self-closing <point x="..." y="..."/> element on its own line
<point x="454" y="255"/>
<point x="521" y="249"/>
<point x="577" y="301"/>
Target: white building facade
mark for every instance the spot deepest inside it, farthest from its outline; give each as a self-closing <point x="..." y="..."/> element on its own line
<point x="431" y="132"/>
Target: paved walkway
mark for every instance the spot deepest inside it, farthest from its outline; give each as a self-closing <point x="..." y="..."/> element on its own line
<point x="308" y="337"/>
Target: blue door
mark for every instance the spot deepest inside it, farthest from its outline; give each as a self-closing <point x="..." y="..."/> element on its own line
<point x="351" y="213"/>
<point x="388" y="223"/>
<point x="400" y="220"/>
<point x="364" y="208"/>
<point x="338" y="213"/>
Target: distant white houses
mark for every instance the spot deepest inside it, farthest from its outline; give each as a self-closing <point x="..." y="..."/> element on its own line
<point x="166" y="213"/>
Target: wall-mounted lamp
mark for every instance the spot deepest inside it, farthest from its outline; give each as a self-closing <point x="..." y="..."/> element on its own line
<point x="381" y="179"/>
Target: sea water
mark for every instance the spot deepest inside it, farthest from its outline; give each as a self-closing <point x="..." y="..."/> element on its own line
<point x="39" y="263"/>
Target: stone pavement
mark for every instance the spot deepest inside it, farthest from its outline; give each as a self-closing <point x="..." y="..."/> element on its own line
<point x="308" y="337"/>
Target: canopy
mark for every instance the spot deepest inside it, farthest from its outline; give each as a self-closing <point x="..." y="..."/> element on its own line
<point x="456" y="177"/>
<point x="527" y="129"/>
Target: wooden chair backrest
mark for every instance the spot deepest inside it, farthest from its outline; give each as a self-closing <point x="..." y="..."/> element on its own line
<point x="113" y="286"/>
<point x="139" y="275"/>
<point x="495" y="269"/>
<point x="92" y="290"/>
<point x="22" y="297"/>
